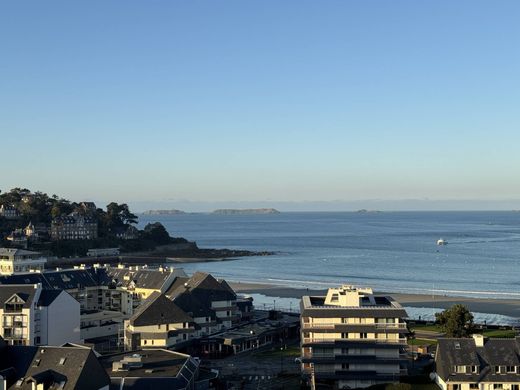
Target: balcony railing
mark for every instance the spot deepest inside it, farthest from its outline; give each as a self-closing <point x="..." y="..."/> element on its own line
<point x="378" y="341"/>
<point x="331" y="325"/>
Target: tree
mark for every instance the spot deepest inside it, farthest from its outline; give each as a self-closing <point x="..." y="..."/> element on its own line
<point x="456" y="321"/>
<point x="118" y="215"/>
<point x="157" y="233"/>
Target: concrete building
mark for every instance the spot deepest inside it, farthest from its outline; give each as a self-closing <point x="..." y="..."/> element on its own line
<point x="19" y="260"/>
<point x="478" y="363"/>
<point x="352" y="338"/>
<point x="32" y="316"/>
<point x="74" y="226"/>
<point x="45" y="368"/>
<point x="152" y="369"/>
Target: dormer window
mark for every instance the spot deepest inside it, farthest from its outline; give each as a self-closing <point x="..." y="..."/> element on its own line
<point x="511" y="369"/>
<point x="500" y="369"/>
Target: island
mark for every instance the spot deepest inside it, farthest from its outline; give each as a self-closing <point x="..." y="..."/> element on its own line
<point x="245" y="211"/>
<point x="163" y="212"/>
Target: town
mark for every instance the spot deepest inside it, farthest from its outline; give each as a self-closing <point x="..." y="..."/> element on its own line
<point x="105" y="325"/>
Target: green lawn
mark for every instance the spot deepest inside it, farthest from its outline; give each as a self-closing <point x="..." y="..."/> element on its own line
<point x="500" y="333"/>
<point x="291" y="351"/>
<point x="432" y="328"/>
<point x="421" y="342"/>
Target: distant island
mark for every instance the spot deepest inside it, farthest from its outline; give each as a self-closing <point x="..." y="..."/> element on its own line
<point x="362" y="211"/>
<point x="163" y="212"/>
<point x="245" y="211"/>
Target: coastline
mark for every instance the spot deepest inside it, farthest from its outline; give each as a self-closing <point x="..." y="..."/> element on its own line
<point x="506" y="307"/>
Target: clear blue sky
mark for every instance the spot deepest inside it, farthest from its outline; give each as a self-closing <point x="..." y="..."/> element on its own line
<point x="261" y="100"/>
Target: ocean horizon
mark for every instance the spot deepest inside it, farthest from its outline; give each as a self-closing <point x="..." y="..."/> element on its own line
<point x="388" y="251"/>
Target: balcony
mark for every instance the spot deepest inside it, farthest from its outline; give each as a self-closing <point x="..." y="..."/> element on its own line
<point x="400" y="341"/>
<point x="332" y="325"/>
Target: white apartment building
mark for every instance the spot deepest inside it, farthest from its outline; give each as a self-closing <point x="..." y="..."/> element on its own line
<point x="14" y="260"/>
<point x="352" y="338"/>
<point x="30" y="315"/>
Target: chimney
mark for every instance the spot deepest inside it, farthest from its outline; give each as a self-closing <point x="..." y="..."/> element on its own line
<point x="479" y="340"/>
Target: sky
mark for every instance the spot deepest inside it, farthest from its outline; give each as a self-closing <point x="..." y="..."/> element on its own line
<point x="322" y="103"/>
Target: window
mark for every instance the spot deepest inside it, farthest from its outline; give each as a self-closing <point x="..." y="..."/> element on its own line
<point x="515" y="387"/>
<point x="511" y="369"/>
<point x="334" y="298"/>
<point x="344" y="366"/>
<point x="62" y="361"/>
<point x="460" y="369"/>
<point x="473" y="386"/>
<point x="456" y="386"/>
<point x="344" y="335"/>
<point x="498" y="386"/>
<point x="363" y="335"/>
<point x="500" y="369"/>
<point x="474" y="369"/>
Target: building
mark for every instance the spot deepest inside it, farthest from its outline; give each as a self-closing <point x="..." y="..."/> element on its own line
<point x="31" y="315"/>
<point x="48" y="368"/>
<point x="74" y="226"/>
<point x="20" y="260"/>
<point x="273" y="328"/>
<point x="352" y="338"/>
<point x="478" y="363"/>
<point x="158" y="322"/>
<point x="97" y="252"/>
<point x="9" y="211"/>
<point x="217" y="298"/>
<point x="152" y="369"/>
<point x="18" y="239"/>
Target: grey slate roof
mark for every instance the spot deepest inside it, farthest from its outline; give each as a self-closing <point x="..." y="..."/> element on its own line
<point x="161" y="369"/>
<point x="203" y="286"/>
<point x="143" y="278"/>
<point x="61" y="280"/>
<point x="453" y="352"/>
<point x="48" y="296"/>
<point x="25" y="292"/>
<point x="158" y="309"/>
<point x="79" y="368"/>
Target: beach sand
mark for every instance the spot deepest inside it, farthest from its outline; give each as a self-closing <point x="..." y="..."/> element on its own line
<point x="506" y="307"/>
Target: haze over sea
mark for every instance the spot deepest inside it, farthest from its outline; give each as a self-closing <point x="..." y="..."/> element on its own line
<point x="389" y="251"/>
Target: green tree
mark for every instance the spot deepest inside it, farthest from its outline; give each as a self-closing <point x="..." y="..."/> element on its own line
<point x="157" y="233"/>
<point x="456" y="321"/>
<point x="116" y="216"/>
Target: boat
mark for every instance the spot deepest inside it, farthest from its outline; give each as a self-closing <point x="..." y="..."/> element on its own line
<point x="441" y="241"/>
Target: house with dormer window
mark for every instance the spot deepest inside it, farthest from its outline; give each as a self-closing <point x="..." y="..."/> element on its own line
<point x="478" y="363"/>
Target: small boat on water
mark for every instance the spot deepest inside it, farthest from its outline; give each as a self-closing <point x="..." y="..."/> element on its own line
<point x="441" y="241"/>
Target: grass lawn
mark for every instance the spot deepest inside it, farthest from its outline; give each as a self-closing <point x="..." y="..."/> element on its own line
<point x="422" y="342"/>
<point x="499" y="333"/>
<point x="291" y="351"/>
<point x="432" y="328"/>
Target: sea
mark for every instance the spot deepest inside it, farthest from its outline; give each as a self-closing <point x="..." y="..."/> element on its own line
<point x="388" y="251"/>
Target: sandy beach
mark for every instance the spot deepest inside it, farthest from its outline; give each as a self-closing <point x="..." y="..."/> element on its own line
<point x="507" y="307"/>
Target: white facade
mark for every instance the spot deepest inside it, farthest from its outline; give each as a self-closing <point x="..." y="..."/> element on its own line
<point x="59" y="321"/>
<point x="18" y="261"/>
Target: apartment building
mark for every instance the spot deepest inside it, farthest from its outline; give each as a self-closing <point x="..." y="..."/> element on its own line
<point x="478" y="363"/>
<point x="30" y="315"/>
<point x="213" y="301"/>
<point x="352" y="338"/>
<point x="9" y="211"/>
<point x="74" y="226"/>
<point x="14" y="260"/>
<point x="158" y="322"/>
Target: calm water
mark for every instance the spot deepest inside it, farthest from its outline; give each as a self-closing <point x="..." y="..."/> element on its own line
<point x="391" y="251"/>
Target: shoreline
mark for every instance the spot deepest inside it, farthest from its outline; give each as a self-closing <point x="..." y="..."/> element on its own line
<point x="501" y="306"/>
